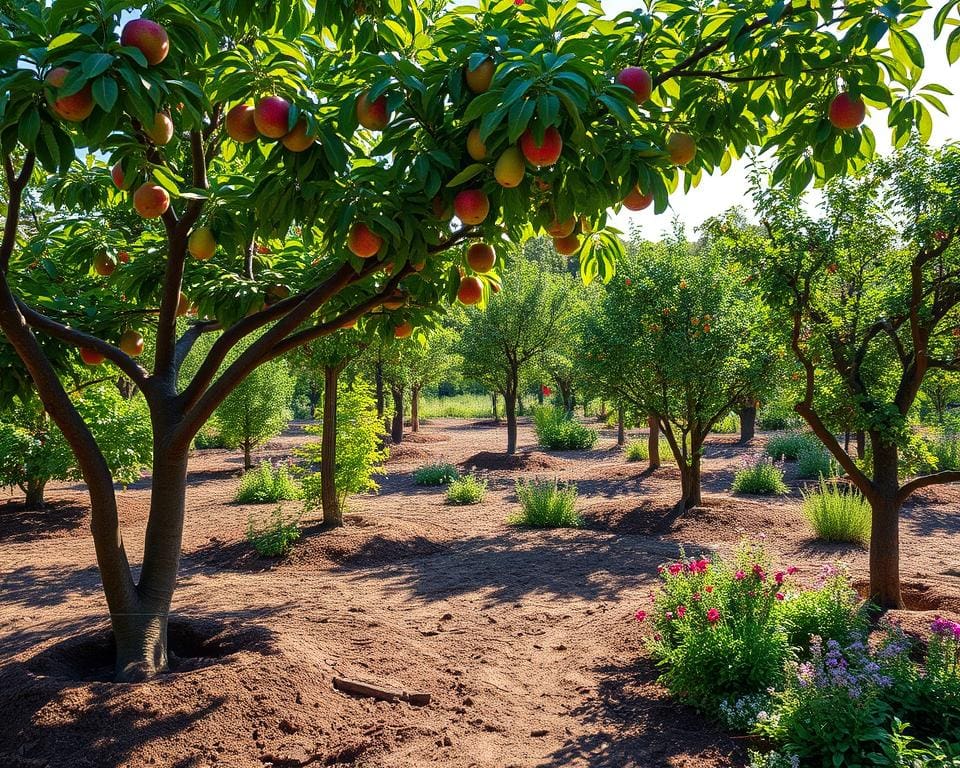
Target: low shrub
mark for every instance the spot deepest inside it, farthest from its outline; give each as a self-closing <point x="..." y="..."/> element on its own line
<point x="789" y="445"/>
<point x="759" y="476"/>
<point x="268" y="484"/>
<point x="778" y="416"/>
<point x="210" y="436"/>
<point x="556" y="431"/>
<point x="468" y="489"/>
<point x="728" y="425"/>
<point x="546" y="504"/>
<point x="815" y="461"/>
<point x="438" y="473"/>
<point x="946" y="449"/>
<point x="833" y="611"/>
<point x="275" y="536"/>
<point x="636" y="450"/>
<point x="837" y="513"/>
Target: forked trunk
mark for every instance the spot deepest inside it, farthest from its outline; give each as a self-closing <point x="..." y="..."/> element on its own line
<point x="396" y="427"/>
<point x="34" y="493"/>
<point x="885" y="526"/>
<point x="621" y="426"/>
<point x="653" y="441"/>
<point x="332" y="514"/>
<point x="415" y="409"/>
<point x="748" y="423"/>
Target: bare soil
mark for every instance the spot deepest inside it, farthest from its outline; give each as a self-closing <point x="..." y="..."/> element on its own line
<point x="524" y="639"/>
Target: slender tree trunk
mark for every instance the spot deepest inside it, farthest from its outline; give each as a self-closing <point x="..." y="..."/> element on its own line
<point x="378" y="378"/>
<point x="332" y="514"/>
<point x="510" y="408"/>
<point x="519" y="403"/>
<point x="846" y="441"/>
<point x="861" y="444"/>
<point x="621" y="426"/>
<point x="396" y="428"/>
<point x="653" y="441"/>
<point x="247" y="455"/>
<point x="34" y="493"/>
<point x="603" y="410"/>
<point x="690" y="480"/>
<point x="748" y="423"/>
<point x="885" y="526"/>
<point x="314" y="397"/>
<point x="496" y="412"/>
<point x="415" y="409"/>
<point x="540" y="395"/>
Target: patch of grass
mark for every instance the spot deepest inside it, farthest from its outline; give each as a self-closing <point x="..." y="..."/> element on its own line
<point x="546" y="504"/>
<point x="266" y="485"/>
<point x="558" y="432"/>
<point x="438" y="473"/>
<point x="837" y="513"/>
<point x="275" y="536"/>
<point x="946" y="450"/>
<point x="789" y="445"/>
<point x="636" y="450"/>
<point x="777" y="416"/>
<point x="759" y="476"/>
<point x="468" y="489"/>
<point x="728" y="425"/>
<point x="815" y="461"/>
<point x="457" y="407"/>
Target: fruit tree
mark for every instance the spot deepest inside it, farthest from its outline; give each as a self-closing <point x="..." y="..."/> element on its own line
<point x="220" y="144"/>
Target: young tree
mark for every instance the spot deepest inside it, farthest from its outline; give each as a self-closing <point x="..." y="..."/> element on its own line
<point x="210" y="117"/>
<point x="505" y="340"/>
<point x="681" y="337"/>
<point x="871" y="293"/>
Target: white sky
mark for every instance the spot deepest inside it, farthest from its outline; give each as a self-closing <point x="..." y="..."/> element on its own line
<point x="717" y="193"/>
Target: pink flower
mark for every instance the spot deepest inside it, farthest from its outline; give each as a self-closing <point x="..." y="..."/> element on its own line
<point x="675" y="568"/>
<point x="696" y="596"/>
<point x="759" y="572"/>
<point x="779" y="595"/>
<point x="708" y="588"/>
<point x="713" y="615"/>
<point x="792" y="570"/>
<point x="778" y="577"/>
<point x="739" y="575"/>
<point x="668" y="615"/>
<point x="659" y="569"/>
<point x="681" y="611"/>
<point x="699" y="566"/>
<point x="640" y="615"/>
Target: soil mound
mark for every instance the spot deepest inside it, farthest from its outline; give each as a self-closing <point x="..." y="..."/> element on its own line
<point x="518" y="462"/>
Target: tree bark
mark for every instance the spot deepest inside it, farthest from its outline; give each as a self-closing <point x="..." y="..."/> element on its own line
<point x="653" y="441"/>
<point x="510" y="409"/>
<point x="496" y="412"/>
<point x="415" y="409"/>
<point x="378" y="377"/>
<point x="885" y="526"/>
<point x="247" y="455"/>
<point x="332" y="514"/>
<point x="748" y="423"/>
<point x="621" y="426"/>
<point x="34" y="493"/>
<point x="690" y="481"/>
<point x="861" y="444"/>
<point x="396" y="427"/>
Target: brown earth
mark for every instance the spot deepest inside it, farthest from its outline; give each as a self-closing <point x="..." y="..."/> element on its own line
<point x="524" y="639"/>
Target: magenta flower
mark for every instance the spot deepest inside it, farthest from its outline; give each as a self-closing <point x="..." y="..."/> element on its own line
<point x="713" y="615"/>
<point x="739" y="575"/>
<point x="696" y="597"/>
<point x="681" y="611"/>
<point x="779" y="595"/>
<point x="640" y="615"/>
<point x="708" y="588"/>
<point x="675" y="568"/>
<point x="759" y="572"/>
<point x="699" y="566"/>
<point x="792" y="570"/>
<point x="778" y="577"/>
<point x="668" y="615"/>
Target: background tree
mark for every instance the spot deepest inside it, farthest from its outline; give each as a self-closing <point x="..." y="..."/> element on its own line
<point x="871" y="290"/>
<point x="209" y="120"/>
<point x="519" y="325"/>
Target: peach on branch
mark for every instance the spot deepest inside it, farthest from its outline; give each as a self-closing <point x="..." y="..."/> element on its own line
<point x="638" y="80"/>
<point x="470" y="291"/>
<point x="73" y="108"/>
<point x="481" y="257"/>
<point x="148" y="37"/>
<point x="479" y="79"/>
<point x="201" y="243"/>
<point x="372" y="114"/>
<point x="363" y="242"/>
<point x="846" y="111"/>
<point x="544" y="152"/>
<point x="151" y="200"/>
<point x="272" y="116"/>
<point x="131" y="343"/>
<point x="240" y="123"/>
<point x="510" y="168"/>
<point x="472" y="206"/>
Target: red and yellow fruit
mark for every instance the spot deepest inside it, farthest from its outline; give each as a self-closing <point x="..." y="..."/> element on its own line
<point x="116" y="173"/>
<point x="472" y="206"/>
<point x="298" y="140"/>
<point x="91" y="357"/>
<point x="240" y="123"/>
<point x="151" y="200"/>
<point x="131" y="343"/>
<point x="404" y="330"/>
<point x="476" y="147"/>
<point x="682" y="148"/>
<point x="201" y="243"/>
<point x="363" y="242"/>
<point x="161" y="131"/>
<point x="562" y="228"/>
<point x="567" y="246"/>
<point x="147" y="36"/>
<point x="846" y="111"/>
<point x="637" y="200"/>
<point x="272" y="117"/>
<point x="638" y="80"/>
<point x="481" y="257"/>
<point x="372" y="115"/>
<point x="470" y="291"/>
<point x="75" y="107"/>
<point x="479" y="79"/>
<point x="104" y="264"/>
<point x="545" y="152"/>
<point x="510" y="168"/>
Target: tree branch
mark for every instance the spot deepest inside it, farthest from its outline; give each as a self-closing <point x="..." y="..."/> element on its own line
<point x="937" y="478"/>
<point x="16" y="183"/>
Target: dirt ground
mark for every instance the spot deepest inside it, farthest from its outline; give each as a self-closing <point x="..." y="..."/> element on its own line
<point x="524" y="639"/>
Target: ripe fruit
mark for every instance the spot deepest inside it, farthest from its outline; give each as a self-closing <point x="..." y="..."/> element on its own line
<point x="682" y="148"/>
<point x="363" y="242"/>
<point x="183" y="305"/>
<point x="116" y="173"/>
<point x="151" y="200"/>
<point x="637" y="200"/>
<point x="104" y="264"/>
<point x="510" y="168"/>
<point x="131" y="343"/>
<point x="683" y="284"/>
<point x="149" y="37"/>
<point x="471" y="290"/>
<point x="567" y="246"/>
<point x="395" y="301"/>
<point x="706" y="327"/>
<point x="562" y="228"/>
<point x="240" y="123"/>
<point x="91" y="357"/>
<point x="272" y="117"/>
<point x="403" y="330"/>
<point x="846" y="112"/>
<point x="161" y="131"/>
<point x="372" y="115"/>
<point x="481" y="257"/>
<point x="628" y="282"/>
<point x="475" y="146"/>
<point x="471" y="206"/>
<point x="638" y="80"/>
<point x="298" y="140"/>
<point x="544" y="153"/>
<point x="123" y="257"/>
<point x="73" y="108"/>
<point x="479" y="79"/>
<point x="419" y="265"/>
<point x="201" y="244"/>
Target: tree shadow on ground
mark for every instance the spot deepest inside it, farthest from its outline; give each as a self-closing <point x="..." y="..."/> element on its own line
<point x="42" y="586"/>
<point x="632" y="723"/>
<point x="927" y="519"/>
<point x="19" y="523"/>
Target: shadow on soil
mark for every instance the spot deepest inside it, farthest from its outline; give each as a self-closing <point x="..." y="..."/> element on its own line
<point x="18" y="523"/>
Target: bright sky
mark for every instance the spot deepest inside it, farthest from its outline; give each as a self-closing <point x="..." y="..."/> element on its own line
<point x="717" y="193"/>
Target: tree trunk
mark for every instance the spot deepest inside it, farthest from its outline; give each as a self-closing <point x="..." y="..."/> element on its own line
<point x="314" y="397"/>
<point x="602" y="414"/>
<point x="519" y="404"/>
<point x="34" y="493"/>
<point x="415" y="409"/>
<point x="540" y="395"/>
<point x="141" y="634"/>
<point x="247" y="455"/>
<point x="690" y="480"/>
<point x="396" y="428"/>
<point x="621" y="426"/>
<point x="748" y="423"/>
<point x="510" y="408"/>
<point x="378" y="377"/>
<point x="496" y="413"/>
<point x="885" y="526"/>
<point x="861" y="444"/>
<point x="653" y="441"/>
<point x="332" y="514"/>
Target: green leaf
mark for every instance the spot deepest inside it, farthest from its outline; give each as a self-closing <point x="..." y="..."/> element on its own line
<point x="96" y="64"/>
<point x="105" y="93"/>
<point x="466" y="174"/>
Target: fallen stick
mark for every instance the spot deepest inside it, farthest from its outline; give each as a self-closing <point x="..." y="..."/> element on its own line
<point x="371" y="690"/>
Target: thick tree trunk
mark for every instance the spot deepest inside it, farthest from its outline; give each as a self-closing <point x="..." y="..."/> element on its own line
<point x="690" y="480"/>
<point x="34" y="493"/>
<point x="861" y="444"/>
<point x="621" y="426"/>
<point x="885" y="526"/>
<point x="415" y="409"/>
<point x="332" y="514"/>
<point x="748" y="423"/>
<point x="602" y="413"/>
<point x="396" y="427"/>
<point x="653" y="442"/>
